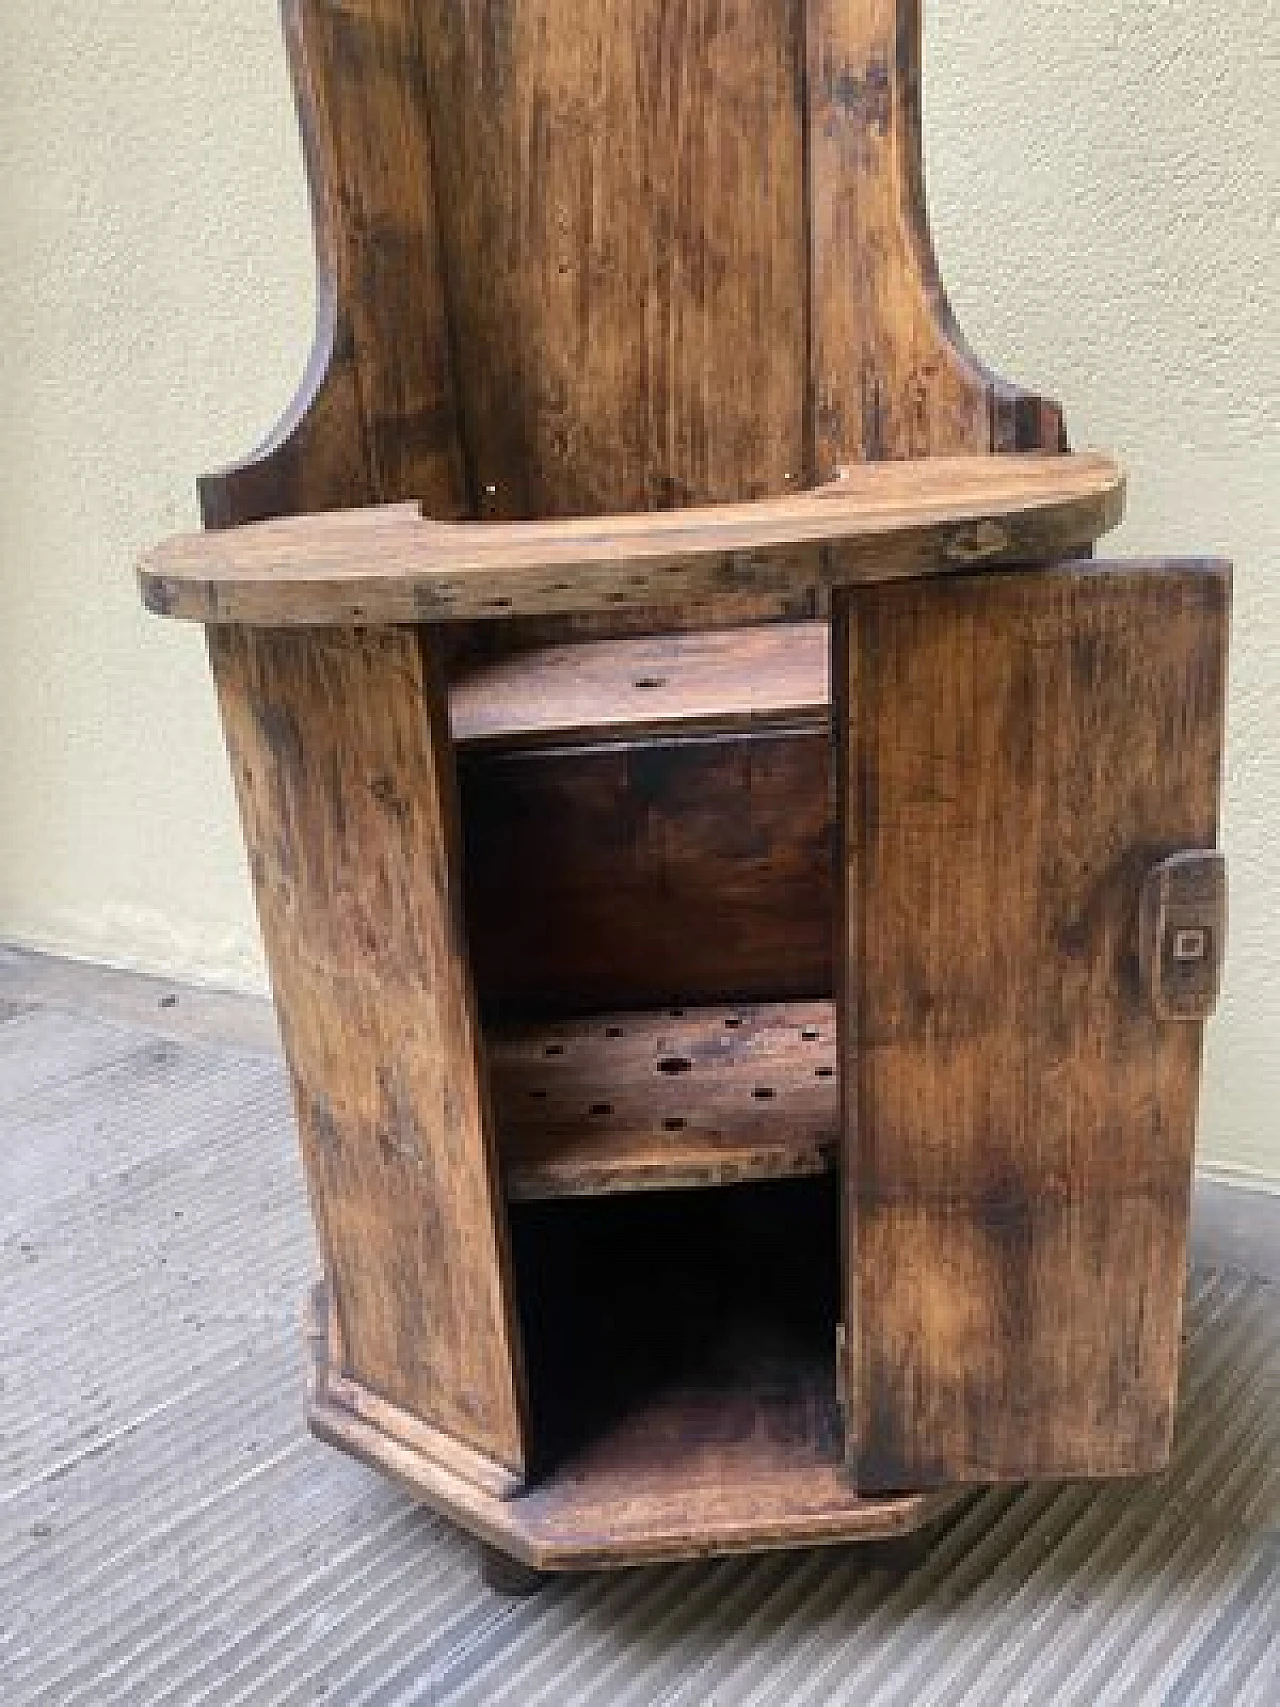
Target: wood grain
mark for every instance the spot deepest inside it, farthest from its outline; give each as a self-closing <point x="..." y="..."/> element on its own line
<point x="636" y="874"/>
<point x="775" y="675"/>
<point x="342" y="767"/>
<point x="375" y="419"/>
<point x="1016" y="753"/>
<point x="673" y="1100"/>
<point x="688" y="1476"/>
<point x="875" y="523"/>
<point x="891" y="374"/>
<point x="622" y="202"/>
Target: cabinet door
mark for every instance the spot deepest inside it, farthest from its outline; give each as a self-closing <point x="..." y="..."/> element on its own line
<point x="343" y="767"/>
<point x="1020" y="757"/>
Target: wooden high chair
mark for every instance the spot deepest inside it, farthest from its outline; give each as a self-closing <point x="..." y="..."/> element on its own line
<point x="738" y="877"/>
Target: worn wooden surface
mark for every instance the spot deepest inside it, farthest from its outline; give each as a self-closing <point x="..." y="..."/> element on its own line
<point x="342" y="768"/>
<point x="876" y="522"/>
<point x="891" y="374"/>
<point x="664" y="871"/>
<point x="637" y="686"/>
<point x="375" y="417"/>
<point x="1018" y="752"/>
<point x="683" y="1385"/>
<point x="680" y="1098"/>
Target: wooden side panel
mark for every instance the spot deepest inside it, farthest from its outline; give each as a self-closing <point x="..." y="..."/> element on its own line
<point x="891" y="374"/>
<point x="1017" y="752"/>
<point x="632" y="875"/>
<point x="375" y="418"/>
<point x="341" y="757"/>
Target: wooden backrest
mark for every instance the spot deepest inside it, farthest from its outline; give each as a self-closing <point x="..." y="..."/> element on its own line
<point x="627" y="255"/>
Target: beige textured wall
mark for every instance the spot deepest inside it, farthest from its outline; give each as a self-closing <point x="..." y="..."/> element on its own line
<point x="1104" y="183"/>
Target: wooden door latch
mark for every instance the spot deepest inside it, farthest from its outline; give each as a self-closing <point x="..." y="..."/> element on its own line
<point x="1182" y="927"/>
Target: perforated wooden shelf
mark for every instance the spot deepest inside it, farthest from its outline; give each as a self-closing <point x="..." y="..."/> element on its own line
<point x="674" y="1098"/>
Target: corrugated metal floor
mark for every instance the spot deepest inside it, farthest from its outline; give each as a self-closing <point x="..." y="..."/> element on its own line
<point x="168" y="1533"/>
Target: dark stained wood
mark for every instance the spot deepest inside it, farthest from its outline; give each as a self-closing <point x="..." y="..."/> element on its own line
<point x="578" y="265"/>
<point x="623" y="217"/>
<point x="875" y="523"/>
<point x="680" y="1098"/>
<point x="635" y="687"/>
<point x="891" y="374"/>
<point x="642" y="874"/>
<point x="689" y="1476"/>
<point x="341" y="759"/>
<point x="1018" y="752"/>
<point x="375" y="418"/>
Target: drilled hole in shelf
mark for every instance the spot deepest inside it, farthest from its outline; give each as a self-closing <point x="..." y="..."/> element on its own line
<point x="675" y="1064"/>
<point x="553" y="1049"/>
<point x="538" y="1096"/>
<point x="649" y="682"/>
<point x="764" y="1093"/>
<point x="825" y="1073"/>
<point x="809" y="1033"/>
<point x="613" y="1031"/>
<point x="676" y="1013"/>
<point x="599" y="1110"/>
<point x="733" y="1021"/>
<point x="674" y="1123"/>
<point x="499" y="604"/>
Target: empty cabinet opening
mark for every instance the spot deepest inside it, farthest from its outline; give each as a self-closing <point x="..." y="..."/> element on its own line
<point x="691" y="1327"/>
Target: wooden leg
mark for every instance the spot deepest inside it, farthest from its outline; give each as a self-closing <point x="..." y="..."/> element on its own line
<point x="505" y="1575"/>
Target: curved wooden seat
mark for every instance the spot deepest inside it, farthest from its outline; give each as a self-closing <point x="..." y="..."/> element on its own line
<point x="877" y="522"/>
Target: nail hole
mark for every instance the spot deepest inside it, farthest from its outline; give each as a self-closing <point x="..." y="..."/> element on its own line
<point x="764" y="1093"/>
<point x="675" y="1064"/>
<point x="600" y="1109"/>
<point x="649" y="682"/>
<point x="674" y="1123"/>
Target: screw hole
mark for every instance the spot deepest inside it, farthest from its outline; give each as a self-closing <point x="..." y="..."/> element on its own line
<point x="676" y="1013"/>
<point x="764" y="1093"/>
<point x="538" y="1096"/>
<point x="674" y="1123"/>
<point x="825" y="1073"/>
<point x="554" y="1049"/>
<point x="675" y="1064"/>
<point x="649" y="682"/>
<point x="599" y="1110"/>
<point x="613" y="1031"/>
<point x="809" y="1033"/>
<point x="733" y="1021"/>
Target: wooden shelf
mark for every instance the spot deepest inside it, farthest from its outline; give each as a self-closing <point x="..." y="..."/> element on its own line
<point x="644" y="686"/>
<point x="876" y="522"/>
<point x="669" y="1099"/>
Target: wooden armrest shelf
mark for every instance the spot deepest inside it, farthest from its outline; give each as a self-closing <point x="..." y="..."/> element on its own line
<point x="877" y="522"/>
<point x="678" y="1098"/>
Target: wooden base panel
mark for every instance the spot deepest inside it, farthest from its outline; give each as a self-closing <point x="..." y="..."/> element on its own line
<point x="687" y="1475"/>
